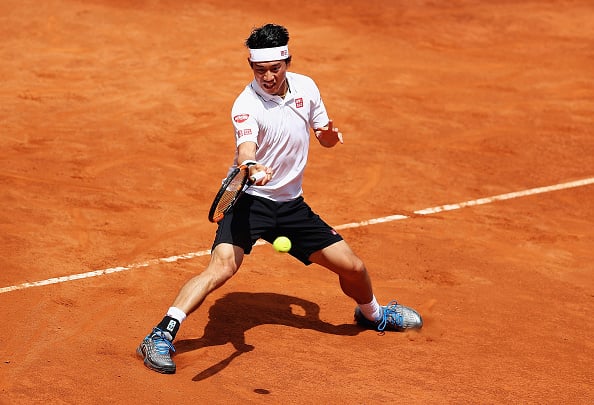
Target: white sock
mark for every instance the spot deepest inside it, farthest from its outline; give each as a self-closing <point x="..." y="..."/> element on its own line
<point x="371" y="311"/>
<point x="176" y="314"/>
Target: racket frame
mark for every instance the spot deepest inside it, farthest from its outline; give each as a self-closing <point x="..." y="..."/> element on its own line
<point x="246" y="182"/>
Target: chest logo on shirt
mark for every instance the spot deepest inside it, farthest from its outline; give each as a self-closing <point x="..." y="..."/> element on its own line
<point x="299" y="102"/>
<point x="241" y="118"/>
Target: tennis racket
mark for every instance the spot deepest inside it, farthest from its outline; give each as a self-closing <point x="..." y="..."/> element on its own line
<point x="232" y="188"/>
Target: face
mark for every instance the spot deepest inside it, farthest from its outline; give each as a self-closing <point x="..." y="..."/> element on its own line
<point x="271" y="76"/>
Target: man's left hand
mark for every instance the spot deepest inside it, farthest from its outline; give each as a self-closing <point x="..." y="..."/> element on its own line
<point x="329" y="136"/>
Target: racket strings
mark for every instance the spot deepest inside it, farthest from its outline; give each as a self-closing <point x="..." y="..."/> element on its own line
<point x="233" y="189"/>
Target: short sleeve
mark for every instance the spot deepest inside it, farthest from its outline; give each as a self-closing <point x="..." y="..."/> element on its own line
<point x="244" y="121"/>
<point x="318" y="114"/>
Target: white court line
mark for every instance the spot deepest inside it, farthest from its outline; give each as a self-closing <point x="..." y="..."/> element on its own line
<point x="426" y="211"/>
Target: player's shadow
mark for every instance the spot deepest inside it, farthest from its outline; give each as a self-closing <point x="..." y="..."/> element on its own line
<point x="237" y="312"/>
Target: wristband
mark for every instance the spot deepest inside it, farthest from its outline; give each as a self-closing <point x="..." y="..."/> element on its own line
<point x="249" y="162"/>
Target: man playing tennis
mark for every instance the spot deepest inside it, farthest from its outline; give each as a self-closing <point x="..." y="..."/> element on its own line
<point x="272" y="118"/>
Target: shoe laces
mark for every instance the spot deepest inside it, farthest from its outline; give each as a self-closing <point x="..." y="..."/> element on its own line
<point x="390" y="315"/>
<point x="162" y="344"/>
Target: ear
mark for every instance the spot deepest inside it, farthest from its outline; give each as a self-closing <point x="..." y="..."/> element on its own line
<point x="250" y="62"/>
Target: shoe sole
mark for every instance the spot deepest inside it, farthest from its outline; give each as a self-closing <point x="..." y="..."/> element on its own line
<point x="151" y="366"/>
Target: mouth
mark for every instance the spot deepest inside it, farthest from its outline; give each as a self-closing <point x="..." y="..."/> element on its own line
<point x="268" y="86"/>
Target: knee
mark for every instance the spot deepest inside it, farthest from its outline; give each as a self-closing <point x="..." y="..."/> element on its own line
<point x="222" y="267"/>
<point x="223" y="270"/>
<point x="340" y="259"/>
<point x="355" y="268"/>
<point x="359" y="266"/>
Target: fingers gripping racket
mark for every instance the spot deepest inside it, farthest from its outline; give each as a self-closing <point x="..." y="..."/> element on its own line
<point x="232" y="188"/>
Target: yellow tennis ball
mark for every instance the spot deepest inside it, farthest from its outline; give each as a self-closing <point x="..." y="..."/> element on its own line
<point x="282" y="244"/>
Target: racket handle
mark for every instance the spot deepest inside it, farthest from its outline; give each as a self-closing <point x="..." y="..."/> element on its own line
<point x="257" y="176"/>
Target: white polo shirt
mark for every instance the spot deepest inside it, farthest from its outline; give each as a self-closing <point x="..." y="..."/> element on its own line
<point x="281" y="130"/>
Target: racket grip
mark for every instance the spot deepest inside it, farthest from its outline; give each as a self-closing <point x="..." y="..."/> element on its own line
<point x="257" y="176"/>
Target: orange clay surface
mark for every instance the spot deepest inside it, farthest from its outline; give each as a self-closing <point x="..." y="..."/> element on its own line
<point x="115" y="132"/>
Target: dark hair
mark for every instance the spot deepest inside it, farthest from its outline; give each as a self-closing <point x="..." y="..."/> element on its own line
<point x="268" y="36"/>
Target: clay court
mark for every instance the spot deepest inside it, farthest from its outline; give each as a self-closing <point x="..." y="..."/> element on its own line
<point x="466" y="183"/>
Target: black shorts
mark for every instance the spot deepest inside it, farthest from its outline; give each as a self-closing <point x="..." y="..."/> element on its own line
<point x="253" y="218"/>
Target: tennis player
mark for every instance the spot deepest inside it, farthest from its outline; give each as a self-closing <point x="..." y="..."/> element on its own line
<point x="273" y="118"/>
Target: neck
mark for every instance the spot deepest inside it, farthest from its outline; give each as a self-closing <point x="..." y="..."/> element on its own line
<point x="283" y="90"/>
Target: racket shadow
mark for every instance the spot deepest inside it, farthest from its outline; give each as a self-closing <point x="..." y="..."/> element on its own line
<point x="237" y="312"/>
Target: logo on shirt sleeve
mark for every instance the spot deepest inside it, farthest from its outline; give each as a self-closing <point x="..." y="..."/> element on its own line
<point x="241" y="118"/>
<point x="299" y="102"/>
<point x="243" y="132"/>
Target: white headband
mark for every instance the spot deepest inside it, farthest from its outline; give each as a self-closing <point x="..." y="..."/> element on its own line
<point x="269" y="54"/>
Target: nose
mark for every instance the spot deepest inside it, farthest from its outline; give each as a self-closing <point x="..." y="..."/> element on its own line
<point x="268" y="76"/>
